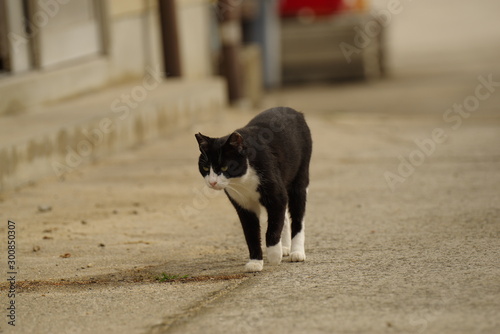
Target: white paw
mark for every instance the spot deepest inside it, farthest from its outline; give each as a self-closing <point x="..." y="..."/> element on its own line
<point x="254" y="266"/>
<point x="297" y="256"/>
<point x="274" y="254"/>
<point x="286" y="250"/>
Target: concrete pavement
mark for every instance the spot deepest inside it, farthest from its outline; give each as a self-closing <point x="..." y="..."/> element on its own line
<point x="402" y="229"/>
<point x="422" y="257"/>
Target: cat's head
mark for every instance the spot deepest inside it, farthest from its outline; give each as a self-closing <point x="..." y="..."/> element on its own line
<point x="221" y="159"/>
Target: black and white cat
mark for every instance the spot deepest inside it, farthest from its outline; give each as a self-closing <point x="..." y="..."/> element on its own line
<point x="264" y="164"/>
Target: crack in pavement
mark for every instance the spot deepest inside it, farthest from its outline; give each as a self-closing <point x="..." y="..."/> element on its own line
<point x="110" y="279"/>
<point x="172" y="322"/>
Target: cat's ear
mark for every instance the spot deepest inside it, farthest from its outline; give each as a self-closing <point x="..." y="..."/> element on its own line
<point x="236" y="140"/>
<point x="202" y="142"/>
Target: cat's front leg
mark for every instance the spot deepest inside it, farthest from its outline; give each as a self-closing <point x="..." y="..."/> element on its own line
<point x="254" y="266"/>
<point x="251" y="228"/>
<point x="275" y="253"/>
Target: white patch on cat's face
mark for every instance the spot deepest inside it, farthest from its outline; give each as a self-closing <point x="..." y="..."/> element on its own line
<point x="242" y="189"/>
<point x="216" y="181"/>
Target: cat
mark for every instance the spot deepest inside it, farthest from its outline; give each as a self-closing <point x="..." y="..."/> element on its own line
<point x="264" y="164"/>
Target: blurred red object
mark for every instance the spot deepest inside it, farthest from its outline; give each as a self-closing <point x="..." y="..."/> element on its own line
<point x="314" y="7"/>
<point x="318" y="7"/>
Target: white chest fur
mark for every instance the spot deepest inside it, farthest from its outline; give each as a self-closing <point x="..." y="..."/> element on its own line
<point x="243" y="190"/>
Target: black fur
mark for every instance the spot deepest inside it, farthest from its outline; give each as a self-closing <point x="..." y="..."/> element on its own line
<point x="277" y="144"/>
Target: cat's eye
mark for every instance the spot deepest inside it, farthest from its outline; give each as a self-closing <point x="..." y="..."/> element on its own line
<point x="224" y="169"/>
<point x="206" y="169"/>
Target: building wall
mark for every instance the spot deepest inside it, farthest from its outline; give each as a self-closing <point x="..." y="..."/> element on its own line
<point x="131" y="43"/>
<point x="65" y="116"/>
<point x="134" y="38"/>
<point x="193" y="18"/>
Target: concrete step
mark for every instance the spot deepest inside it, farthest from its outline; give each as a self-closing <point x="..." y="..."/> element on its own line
<point x="56" y="139"/>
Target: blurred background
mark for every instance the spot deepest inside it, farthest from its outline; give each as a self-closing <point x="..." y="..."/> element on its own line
<point x="83" y="79"/>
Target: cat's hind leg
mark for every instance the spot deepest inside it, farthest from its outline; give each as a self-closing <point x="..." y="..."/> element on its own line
<point x="297" y="207"/>
<point x="286" y="235"/>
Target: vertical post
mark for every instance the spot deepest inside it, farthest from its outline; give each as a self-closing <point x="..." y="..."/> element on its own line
<point x="4" y="46"/>
<point x="267" y="34"/>
<point x="229" y="13"/>
<point x="170" y="38"/>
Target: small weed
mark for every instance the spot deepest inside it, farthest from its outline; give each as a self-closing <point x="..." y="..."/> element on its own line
<point x="168" y="278"/>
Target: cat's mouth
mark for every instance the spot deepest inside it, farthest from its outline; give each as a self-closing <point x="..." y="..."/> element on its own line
<point x="216" y="186"/>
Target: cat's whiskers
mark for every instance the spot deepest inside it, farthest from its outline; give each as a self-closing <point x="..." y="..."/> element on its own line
<point x="235" y="185"/>
<point x="233" y="188"/>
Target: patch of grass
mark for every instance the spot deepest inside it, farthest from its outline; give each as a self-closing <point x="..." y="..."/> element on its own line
<point x="164" y="277"/>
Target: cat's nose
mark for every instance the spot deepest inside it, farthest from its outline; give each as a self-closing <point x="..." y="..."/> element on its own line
<point x="213" y="184"/>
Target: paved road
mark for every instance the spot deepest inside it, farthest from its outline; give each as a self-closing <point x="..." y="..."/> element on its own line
<point x="403" y="221"/>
